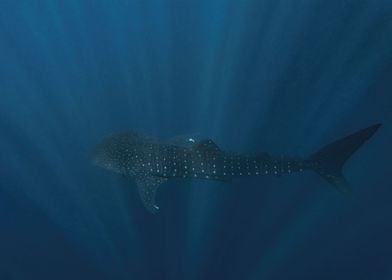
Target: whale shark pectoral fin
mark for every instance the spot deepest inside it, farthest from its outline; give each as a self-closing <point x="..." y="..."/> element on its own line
<point x="148" y="186"/>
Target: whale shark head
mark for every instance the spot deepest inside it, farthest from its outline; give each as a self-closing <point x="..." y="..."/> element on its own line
<point x="117" y="153"/>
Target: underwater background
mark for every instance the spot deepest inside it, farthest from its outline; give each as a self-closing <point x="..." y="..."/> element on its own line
<point x="276" y="76"/>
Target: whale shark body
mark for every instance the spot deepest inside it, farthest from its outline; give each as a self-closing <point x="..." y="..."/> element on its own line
<point x="152" y="162"/>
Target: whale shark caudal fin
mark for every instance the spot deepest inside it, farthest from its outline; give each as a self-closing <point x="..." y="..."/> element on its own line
<point x="329" y="160"/>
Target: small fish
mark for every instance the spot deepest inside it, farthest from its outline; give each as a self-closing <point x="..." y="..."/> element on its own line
<point x="152" y="162"/>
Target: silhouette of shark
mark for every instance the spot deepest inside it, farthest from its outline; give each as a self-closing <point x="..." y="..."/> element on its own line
<point x="152" y="162"/>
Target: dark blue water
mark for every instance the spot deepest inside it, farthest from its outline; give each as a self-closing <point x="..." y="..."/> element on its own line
<point x="283" y="77"/>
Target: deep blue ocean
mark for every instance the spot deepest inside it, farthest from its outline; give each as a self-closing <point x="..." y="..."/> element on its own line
<point x="277" y="76"/>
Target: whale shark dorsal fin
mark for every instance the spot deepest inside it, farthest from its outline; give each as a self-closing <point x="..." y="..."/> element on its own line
<point x="207" y="145"/>
<point x="148" y="186"/>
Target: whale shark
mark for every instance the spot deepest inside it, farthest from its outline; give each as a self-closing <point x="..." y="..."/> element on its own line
<point x="152" y="161"/>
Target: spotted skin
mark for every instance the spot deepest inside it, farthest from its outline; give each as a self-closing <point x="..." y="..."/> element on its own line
<point x="152" y="162"/>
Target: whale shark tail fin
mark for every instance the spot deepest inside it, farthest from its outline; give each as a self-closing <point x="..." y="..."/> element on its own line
<point x="330" y="159"/>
